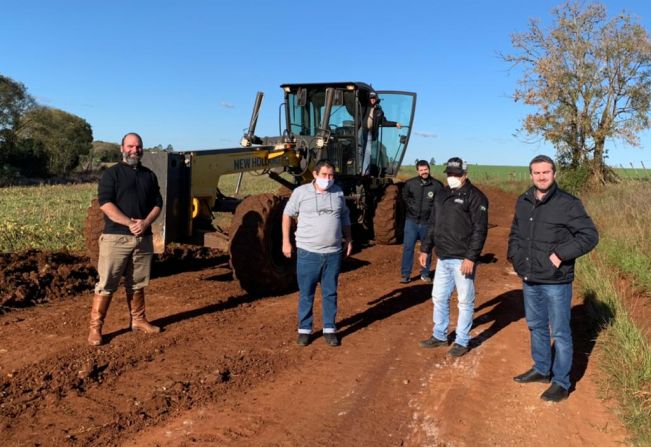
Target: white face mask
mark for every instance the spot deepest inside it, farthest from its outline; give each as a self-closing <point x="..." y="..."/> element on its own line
<point x="454" y="182"/>
<point x="324" y="183"/>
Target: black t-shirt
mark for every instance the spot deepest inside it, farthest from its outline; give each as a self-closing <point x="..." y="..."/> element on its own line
<point x="134" y="190"/>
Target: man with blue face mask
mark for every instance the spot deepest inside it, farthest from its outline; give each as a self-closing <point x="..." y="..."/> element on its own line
<point x="458" y="229"/>
<point x="323" y="220"/>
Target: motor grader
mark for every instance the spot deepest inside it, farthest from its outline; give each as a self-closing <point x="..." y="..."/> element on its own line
<point x="321" y="120"/>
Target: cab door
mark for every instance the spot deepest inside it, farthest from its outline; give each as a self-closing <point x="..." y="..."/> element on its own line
<point x="392" y="142"/>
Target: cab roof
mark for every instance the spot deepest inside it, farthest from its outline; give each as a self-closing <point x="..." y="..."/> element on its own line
<point x="323" y="85"/>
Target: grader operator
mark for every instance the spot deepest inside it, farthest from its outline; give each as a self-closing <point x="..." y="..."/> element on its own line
<point x="321" y="120"/>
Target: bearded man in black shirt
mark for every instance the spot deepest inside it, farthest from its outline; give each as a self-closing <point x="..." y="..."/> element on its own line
<point x="130" y="198"/>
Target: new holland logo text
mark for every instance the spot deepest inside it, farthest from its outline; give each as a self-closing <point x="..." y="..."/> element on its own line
<point x="248" y="163"/>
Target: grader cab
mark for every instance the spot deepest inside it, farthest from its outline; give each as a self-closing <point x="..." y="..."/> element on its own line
<point x="320" y="121"/>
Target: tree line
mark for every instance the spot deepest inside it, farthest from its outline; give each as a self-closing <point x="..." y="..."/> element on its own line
<point x="37" y="141"/>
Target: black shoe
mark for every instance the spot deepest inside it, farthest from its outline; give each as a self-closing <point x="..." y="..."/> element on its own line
<point x="331" y="339"/>
<point x="303" y="339"/>
<point x="405" y="280"/>
<point x="532" y="376"/>
<point x="458" y="350"/>
<point x="555" y="393"/>
<point x="426" y="279"/>
<point x="432" y="343"/>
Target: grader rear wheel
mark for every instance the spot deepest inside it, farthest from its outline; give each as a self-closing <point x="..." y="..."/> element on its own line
<point x="255" y="246"/>
<point x="92" y="231"/>
<point x="389" y="218"/>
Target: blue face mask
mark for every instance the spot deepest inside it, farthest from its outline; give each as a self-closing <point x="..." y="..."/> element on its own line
<point x="324" y="183"/>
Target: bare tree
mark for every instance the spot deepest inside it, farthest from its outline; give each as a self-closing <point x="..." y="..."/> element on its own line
<point x="590" y="80"/>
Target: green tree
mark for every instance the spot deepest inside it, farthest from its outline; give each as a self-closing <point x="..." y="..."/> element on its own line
<point x="64" y="137"/>
<point x="14" y="103"/>
<point x="106" y="152"/>
<point x="590" y="80"/>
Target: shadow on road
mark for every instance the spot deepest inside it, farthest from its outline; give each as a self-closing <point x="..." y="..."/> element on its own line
<point x="588" y="320"/>
<point x="230" y="303"/>
<point x="508" y="308"/>
<point x="387" y="305"/>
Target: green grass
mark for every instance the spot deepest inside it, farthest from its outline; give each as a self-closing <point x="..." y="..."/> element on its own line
<point x="44" y="217"/>
<point x="52" y="217"/>
<point x="623" y="350"/>
<point x="622" y="215"/>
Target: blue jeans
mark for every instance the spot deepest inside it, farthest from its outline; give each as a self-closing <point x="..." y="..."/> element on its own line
<point x="365" y="149"/>
<point x="413" y="232"/>
<point x="313" y="268"/>
<point x="547" y="308"/>
<point x="446" y="277"/>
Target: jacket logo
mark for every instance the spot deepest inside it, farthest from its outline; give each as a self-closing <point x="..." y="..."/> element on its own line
<point x="483" y="208"/>
<point x="457" y="200"/>
<point x="430" y="194"/>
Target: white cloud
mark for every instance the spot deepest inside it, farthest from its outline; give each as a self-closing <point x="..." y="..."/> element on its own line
<point x="227" y="105"/>
<point x="426" y="134"/>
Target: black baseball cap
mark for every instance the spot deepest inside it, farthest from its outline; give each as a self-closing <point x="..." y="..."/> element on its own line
<point x="456" y="166"/>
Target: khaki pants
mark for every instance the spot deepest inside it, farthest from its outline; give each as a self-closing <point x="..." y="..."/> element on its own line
<point x="123" y="255"/>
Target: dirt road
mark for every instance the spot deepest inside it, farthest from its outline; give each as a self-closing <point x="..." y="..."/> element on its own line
<point x="226" y="369"/>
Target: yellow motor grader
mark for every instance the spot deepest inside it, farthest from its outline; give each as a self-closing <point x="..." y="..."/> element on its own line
<point x="321" y="120"/>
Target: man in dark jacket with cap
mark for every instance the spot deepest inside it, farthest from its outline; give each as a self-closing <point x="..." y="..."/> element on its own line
<point x="372" y="119"/>
<point x="550" y="230"/>
<point x="418" y="193"/>
<point x="458" y="229"/>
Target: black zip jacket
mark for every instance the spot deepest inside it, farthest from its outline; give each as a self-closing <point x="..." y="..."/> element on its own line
<point x="458" y="223"/>
<point x="556" y="224"/>
<point x="134" y="191"/>
<point x="378" y="120"/>
<point x="418" y="195"/>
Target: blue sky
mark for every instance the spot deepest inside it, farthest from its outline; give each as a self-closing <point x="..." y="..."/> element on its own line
<point x="186" y="73"/>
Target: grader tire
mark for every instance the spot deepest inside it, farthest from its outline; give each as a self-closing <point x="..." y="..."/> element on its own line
<point x="92" y="230"/>
<point x="389" y="218"/>
<point x="255" y="246"/>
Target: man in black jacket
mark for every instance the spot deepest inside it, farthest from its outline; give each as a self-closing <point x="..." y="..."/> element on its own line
<point x="550" y="230"/>
<point x="458" y="229"/>
<point x="372" y="119"/>
<point x="418" y="194"/>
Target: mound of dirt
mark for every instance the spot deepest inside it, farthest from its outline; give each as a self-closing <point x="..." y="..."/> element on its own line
<point x="33" y="276"/>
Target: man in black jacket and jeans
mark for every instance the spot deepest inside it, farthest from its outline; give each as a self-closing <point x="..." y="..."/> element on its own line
<point x="458" y="229"/>
<point x="550" y="230"/>
<point x="418" y="195"/>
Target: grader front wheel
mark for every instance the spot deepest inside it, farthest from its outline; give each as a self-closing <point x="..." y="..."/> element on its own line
<point x="93" y="229"/>
<point x="389" y="218"/>
<point x="255" y="246"/>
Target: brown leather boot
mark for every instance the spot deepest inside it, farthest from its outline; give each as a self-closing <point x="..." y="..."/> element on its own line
<point x="136" y="303"/>
<point x="97" y="314"/>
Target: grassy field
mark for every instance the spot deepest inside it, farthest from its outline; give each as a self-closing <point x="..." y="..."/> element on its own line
<point x="52" y="217"/>
<point x="622" y="215"/>
<point x="44" y="217"/>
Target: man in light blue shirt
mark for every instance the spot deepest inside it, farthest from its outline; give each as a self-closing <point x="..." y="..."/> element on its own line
<point x="323" y="235"/>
